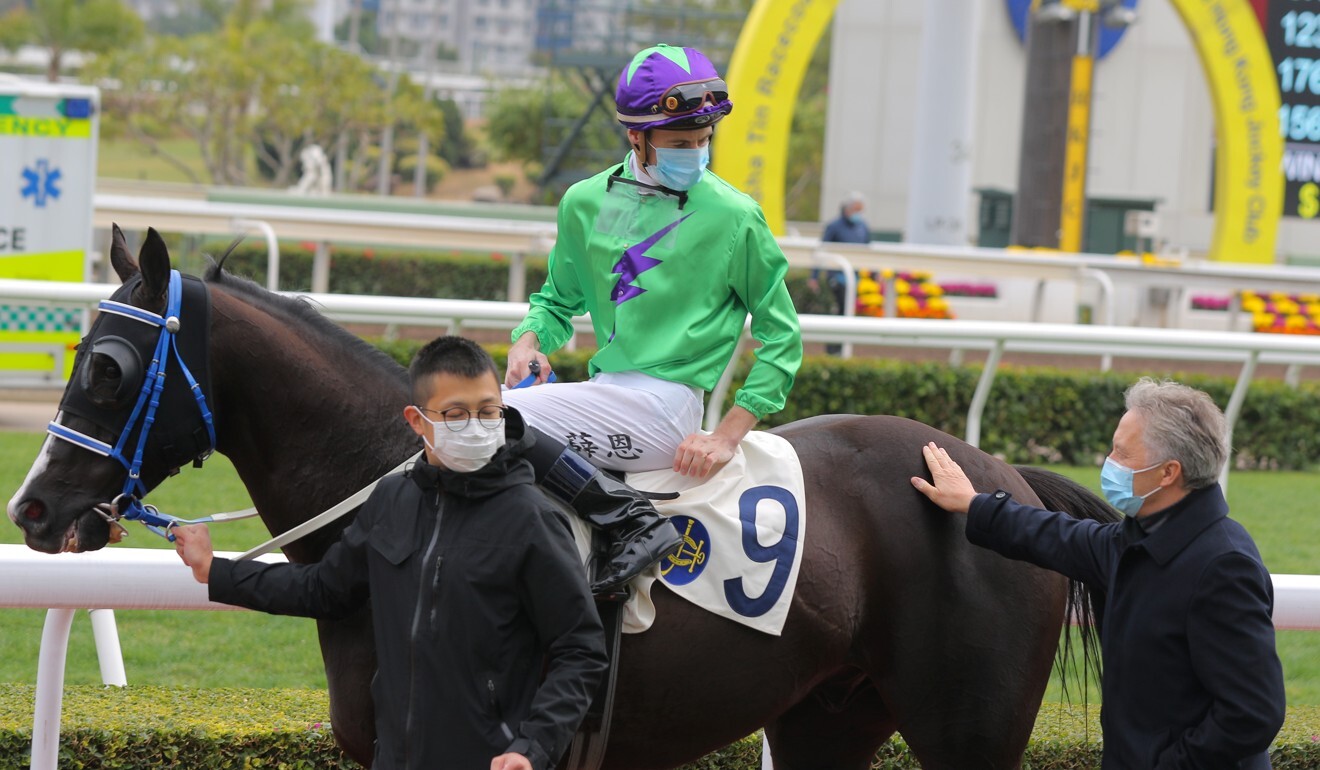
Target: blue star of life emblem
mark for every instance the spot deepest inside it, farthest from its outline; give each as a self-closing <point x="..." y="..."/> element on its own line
<point x="41" y="183"/>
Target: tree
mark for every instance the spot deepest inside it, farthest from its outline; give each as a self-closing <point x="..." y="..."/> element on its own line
<point x="199" y="17"/>
<point x="90" y="26"/>
<point x="261" y="86"/>
<point x="525" y="124"/>
<point x="806" y="142"/>
<point x="360" y="31"/>
<point x="16" y="28"/>
<point x="709" y="25"/>
<point x="457" y="148"/>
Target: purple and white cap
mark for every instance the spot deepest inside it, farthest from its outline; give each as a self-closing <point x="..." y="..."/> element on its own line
<point x="670" y="87"/>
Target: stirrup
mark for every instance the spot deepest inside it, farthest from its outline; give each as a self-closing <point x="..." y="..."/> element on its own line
<point x="637" y="555"/>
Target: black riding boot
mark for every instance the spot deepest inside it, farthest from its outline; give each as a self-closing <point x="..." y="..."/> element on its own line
<point x="638" y="535"/>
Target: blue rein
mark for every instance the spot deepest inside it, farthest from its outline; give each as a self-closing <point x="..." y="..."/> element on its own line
<point x="535" y="369"/>
<point x="129" y="504"/>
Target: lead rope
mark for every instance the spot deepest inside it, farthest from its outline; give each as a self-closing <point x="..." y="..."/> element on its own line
<point x="349" y="504"/>
<point x="344" y="507"/>
<point x="352" y="502"/>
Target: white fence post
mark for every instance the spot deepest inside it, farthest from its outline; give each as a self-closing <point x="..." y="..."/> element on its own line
<point x="50" y="689"/>
<point x="109" y="656"/>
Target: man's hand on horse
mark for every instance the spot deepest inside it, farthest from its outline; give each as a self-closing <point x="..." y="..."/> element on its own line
<point x="510" y="762"/>
<point x="702" y="453"/>
<point x="193" y="544"/>
<point x="951" y="490"/>
<point x="521" y="356"/>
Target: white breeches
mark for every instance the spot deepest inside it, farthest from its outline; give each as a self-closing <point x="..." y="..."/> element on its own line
<point x="625" y="421"/>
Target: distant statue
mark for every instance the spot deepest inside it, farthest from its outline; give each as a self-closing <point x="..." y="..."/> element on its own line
<point x="316" y="175"/>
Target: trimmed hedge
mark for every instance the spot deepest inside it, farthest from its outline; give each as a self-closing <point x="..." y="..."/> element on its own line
<point x="137" y="727"/>
<point x="1047" y="415"/>
<point x="405" y="273"/>
<point x="1035" y="415"/>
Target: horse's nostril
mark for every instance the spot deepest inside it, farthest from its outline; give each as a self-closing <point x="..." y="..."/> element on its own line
<point x="34" y="509"/>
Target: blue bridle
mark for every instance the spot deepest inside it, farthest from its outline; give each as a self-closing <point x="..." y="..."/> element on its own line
<point x="129" y="504"/>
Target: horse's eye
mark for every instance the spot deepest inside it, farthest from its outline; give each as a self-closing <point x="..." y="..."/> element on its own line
<point x="103" y="382"/>
<point x="112" y="372"/>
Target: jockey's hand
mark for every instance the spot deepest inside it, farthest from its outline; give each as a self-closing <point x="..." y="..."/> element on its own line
<point x="193" y="544"/>
<point x="701" y="453"/>
<point x="521" y="355"/>
<point x="510" y="762"/>
<point x="952" y="490"/>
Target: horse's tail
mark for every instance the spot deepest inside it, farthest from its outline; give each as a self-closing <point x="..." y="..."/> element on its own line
<point x="1060" y="493"/>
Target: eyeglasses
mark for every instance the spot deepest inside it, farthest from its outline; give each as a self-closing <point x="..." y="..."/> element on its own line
<point x="686" y="98"/>
<point x="456" y="418"/>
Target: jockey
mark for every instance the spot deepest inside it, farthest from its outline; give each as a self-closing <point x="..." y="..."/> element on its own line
<point x="669" y="260"/>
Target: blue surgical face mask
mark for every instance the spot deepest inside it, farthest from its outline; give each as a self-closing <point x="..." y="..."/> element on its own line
<point x="1116" y="483"/>
<point x="679" y="169"/>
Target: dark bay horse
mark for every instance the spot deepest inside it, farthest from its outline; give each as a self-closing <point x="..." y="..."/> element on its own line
<point x="897" y="623"/>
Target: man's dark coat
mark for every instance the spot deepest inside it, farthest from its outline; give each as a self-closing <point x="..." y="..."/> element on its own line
<point x="1191" y="676"/>
<point x="476" y="588"/>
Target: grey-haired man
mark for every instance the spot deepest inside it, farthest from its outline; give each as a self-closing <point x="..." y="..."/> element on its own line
<point x="1191" y="676"/>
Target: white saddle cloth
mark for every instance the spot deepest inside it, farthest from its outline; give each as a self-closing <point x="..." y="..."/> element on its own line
<point x="743" y="531"/>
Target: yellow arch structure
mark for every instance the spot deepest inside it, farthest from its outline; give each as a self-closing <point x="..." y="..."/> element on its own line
<point x="1249" y="150"/>
<point x="779" y="37"/>
<point x="764" y="76"/>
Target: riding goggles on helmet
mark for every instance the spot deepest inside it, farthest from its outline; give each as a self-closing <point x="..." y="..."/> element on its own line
<point x="686" y="98"/>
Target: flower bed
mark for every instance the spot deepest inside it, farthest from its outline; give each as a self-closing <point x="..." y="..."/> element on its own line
<point x="918" y="296"/>
<point x="1271" y="312"/>
<point x="984" y="290"/>
<point x="1280" y="313"/>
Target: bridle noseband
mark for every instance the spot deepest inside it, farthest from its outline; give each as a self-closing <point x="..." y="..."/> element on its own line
<point x="128" y="504"/>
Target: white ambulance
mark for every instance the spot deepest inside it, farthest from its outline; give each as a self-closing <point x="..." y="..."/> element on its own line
<point x="48" y="136"/>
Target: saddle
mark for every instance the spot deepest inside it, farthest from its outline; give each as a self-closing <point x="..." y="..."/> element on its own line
<point x="742" y="529"/>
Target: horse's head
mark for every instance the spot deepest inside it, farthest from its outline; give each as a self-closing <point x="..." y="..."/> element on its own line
<point x="134" y="411"/>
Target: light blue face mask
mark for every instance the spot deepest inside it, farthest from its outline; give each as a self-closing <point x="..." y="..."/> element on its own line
<point x="679" y="169"/>
<point x="1116" y="483"/>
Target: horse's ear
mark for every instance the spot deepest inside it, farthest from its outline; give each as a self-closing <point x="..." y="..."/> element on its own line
<point x="120" y="259"/>
<point x="155" y="261"/>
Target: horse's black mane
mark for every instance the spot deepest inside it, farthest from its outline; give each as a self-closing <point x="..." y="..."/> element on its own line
<point x="300" y="309"/>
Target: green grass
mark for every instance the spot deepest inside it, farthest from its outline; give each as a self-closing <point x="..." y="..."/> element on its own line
<point x="243" y="649"/>
<point x="178" y="648"/>
<point x="127" y="159"/>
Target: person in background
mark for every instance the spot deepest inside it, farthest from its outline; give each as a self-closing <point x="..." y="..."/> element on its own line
<point x="488" y="643"/>
<point x="1191" y="676"/>
<point x="848" y="227"/>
